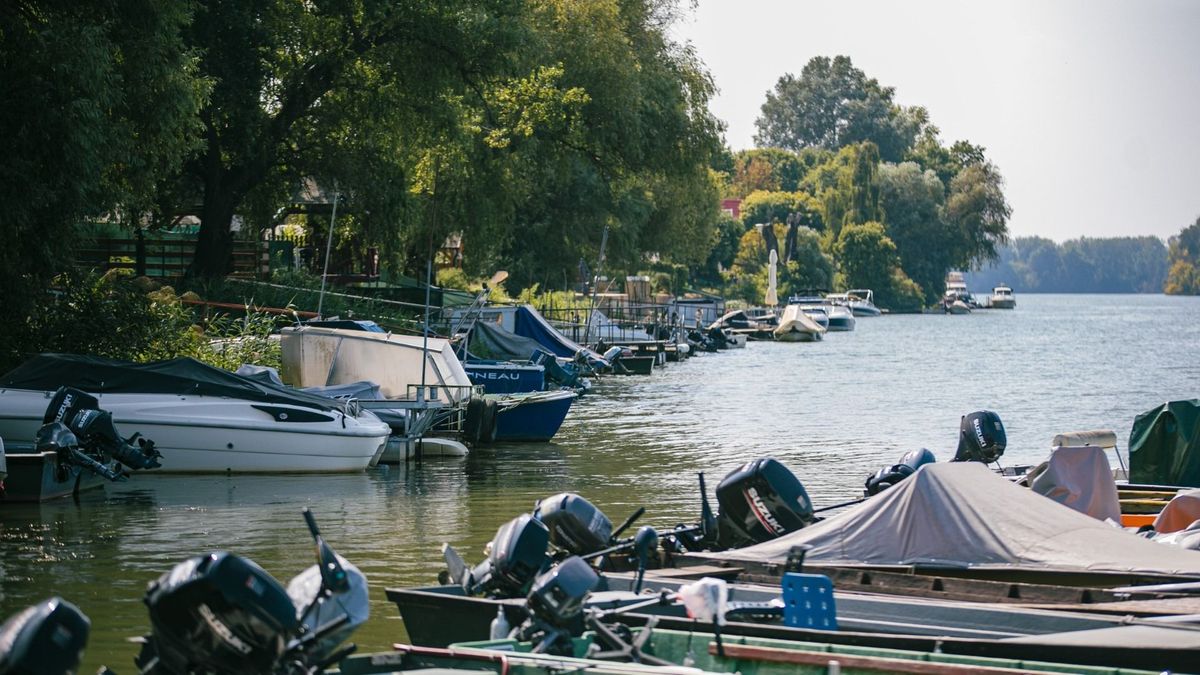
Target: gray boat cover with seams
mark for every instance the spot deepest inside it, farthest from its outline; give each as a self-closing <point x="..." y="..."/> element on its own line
<point x="962" y="515"/>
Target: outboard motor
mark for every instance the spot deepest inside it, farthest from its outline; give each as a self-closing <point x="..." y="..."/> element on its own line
<point x="981" y="438"/>
<point x="222" y="613"/>
<point x="45" y="639"/>
<point x="890" y="475"/>
<point x="95" y="430"/>
<point x="555" y="604"/>
<point x="575" y="524"/>
<point x="219" y="612"/>
<point x="517" y="555"/>
<point x="57" y="438"/>
<point x="760" y="501"/>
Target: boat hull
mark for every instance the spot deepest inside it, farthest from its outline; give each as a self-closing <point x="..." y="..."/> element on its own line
<point x="400" y="450"/>
<point x="36" y="477"/>
<point x="1007" y="303"/>
<point x="202" y="434"/>
<point x="441" y="615"/>
<point x="534" y="418"/>
<point x="506" y="378"/>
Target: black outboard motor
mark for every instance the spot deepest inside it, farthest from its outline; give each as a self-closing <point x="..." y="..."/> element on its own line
<point x="890" y="475"/>
<point x="518" y="554"/>
<point x="45" y="639"/>
<point x="217" y="613"/>
<point x="555" y="604"/>
<point x="95" y="430"/>
<point x="574" y="523"/>
<point x="981" y="438"/>
<point x="760" y="501"/>
<point x="57" y="438"/>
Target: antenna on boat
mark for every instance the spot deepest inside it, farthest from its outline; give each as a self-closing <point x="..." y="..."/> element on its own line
<point x="587" y="330"/>
<point x="328" y="245"/>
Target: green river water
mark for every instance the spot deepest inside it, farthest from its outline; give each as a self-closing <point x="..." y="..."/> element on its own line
<point x="832" y="411"/>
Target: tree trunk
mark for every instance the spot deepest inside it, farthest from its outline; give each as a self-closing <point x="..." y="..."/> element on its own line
<point x="214" y="245"/>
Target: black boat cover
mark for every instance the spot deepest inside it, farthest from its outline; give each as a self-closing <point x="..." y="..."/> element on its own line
<point x="1164" y="445"/>
<point x="94" y="374"/>
<point x="491" y="341"/>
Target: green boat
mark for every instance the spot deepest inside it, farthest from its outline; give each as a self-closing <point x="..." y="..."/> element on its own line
<point x="694" y="653"/>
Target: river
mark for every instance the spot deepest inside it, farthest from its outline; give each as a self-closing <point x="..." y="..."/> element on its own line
<point x="833" y="411"/>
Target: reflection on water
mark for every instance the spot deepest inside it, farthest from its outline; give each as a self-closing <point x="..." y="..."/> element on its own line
<point x="832" y="411"/>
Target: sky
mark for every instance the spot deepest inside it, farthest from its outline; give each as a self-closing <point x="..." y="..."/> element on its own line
<point x="1090" y="109"/>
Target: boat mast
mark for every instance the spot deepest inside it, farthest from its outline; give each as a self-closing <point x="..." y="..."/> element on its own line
<point x="328" y="245"/>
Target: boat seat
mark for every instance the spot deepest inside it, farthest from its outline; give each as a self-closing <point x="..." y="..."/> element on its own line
<point x="808" y="601"/>
<point x="1081" y="478"/>
<point x="1179" y="513"/>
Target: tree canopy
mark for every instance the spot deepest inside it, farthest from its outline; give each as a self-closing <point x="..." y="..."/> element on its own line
<point x="832" y="105"/>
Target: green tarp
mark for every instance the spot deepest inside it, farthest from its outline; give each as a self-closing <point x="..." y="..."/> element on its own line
<point x="1164" y="446"/>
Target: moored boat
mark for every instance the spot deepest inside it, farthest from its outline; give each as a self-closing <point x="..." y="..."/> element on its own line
<point x="1003" y="298"/>
<point x="796" y="326"/>
<point x="861" y="302"/>
<point x="203" y="419"/>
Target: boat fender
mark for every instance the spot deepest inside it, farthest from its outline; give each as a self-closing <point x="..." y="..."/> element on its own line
<point x="488" y="426"/>
<point x="472" y="423"/>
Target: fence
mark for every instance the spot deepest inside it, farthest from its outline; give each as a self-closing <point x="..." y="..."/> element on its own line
<point x="167" y="256"/>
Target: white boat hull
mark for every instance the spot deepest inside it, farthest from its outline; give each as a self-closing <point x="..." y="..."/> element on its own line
<point x="203" y="434"/>
<point x="400" y="450"/>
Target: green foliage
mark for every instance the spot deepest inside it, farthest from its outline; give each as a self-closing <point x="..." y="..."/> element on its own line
<point x="99" y="104"/>
<point x="114" y="316"/>
<point x="765" y="169"/>
<point x="913" y="199"/>
<point x="866" y="256"/>
<point x="833" y="104"/>
<point x="771" y="207"/>
<point x="977" y="209"/>
<point x="1183" y="277"/>
<point x="452" y="277"/>
<point x="1089" y="265"/>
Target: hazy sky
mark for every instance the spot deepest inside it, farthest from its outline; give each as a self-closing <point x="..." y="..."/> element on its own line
<point x="1091" y="109"/>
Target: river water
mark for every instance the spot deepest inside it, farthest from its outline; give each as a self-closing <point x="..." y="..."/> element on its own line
<point x="832" y="411"/>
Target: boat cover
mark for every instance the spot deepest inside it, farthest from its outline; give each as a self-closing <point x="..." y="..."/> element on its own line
<point x="319" y="357"/>
<point x="962" y="515"/>
<point x="95" y="374"/>
<point x="1179" y="513"/>
<point x="1164" y="445"/>
<point x="490" y="341"/>
<point x="532" y="324"/>
<point x="1080" y="478"/>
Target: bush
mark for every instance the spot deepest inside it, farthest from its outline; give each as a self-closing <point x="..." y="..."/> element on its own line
<point x="113" y="315"/>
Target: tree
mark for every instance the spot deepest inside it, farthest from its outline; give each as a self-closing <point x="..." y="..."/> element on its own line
<point x="866" y="256"/>
<point x="636" y="161"/>
<point x="847" y="188"/>
<point x="977" y="209"/>
<point x="1183" y="255"/>
<point x="809" y="266"/>
<point x="97" y="105"/>
<point x="868" y="259"/>
<point x="766" y="169"/>
<point x="912" y="199"/>
<point x="833" y="104"/>
<point x="338" y="92"/>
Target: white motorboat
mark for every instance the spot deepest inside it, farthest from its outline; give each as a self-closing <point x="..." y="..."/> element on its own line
<point x="796" y="326"/>
<point x="861" y="302"/>
<point x="840" y="318"/>
<point x="956" y="289"/>
<point x="1003" y="298"/>
<point x="202" y="419"/>
<point x="318" y="357"/>
<point x="955" y="306"/>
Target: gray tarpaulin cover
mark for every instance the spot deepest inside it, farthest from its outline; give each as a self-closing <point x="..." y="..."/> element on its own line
<point x="1082" y="479"/>
<point x="963" y="515"/>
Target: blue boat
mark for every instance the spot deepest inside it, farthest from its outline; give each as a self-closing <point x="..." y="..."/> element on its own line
<point x="504" y="377"/>
<point x="533" y="417"/>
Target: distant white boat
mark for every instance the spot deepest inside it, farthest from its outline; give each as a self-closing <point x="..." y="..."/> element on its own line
<point x="1003" y="298"/>
<point x="861" y="302"/>
<point x="956" y="306"/>
<point x="840" y="318"/>
<point x="796" y="326"/>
